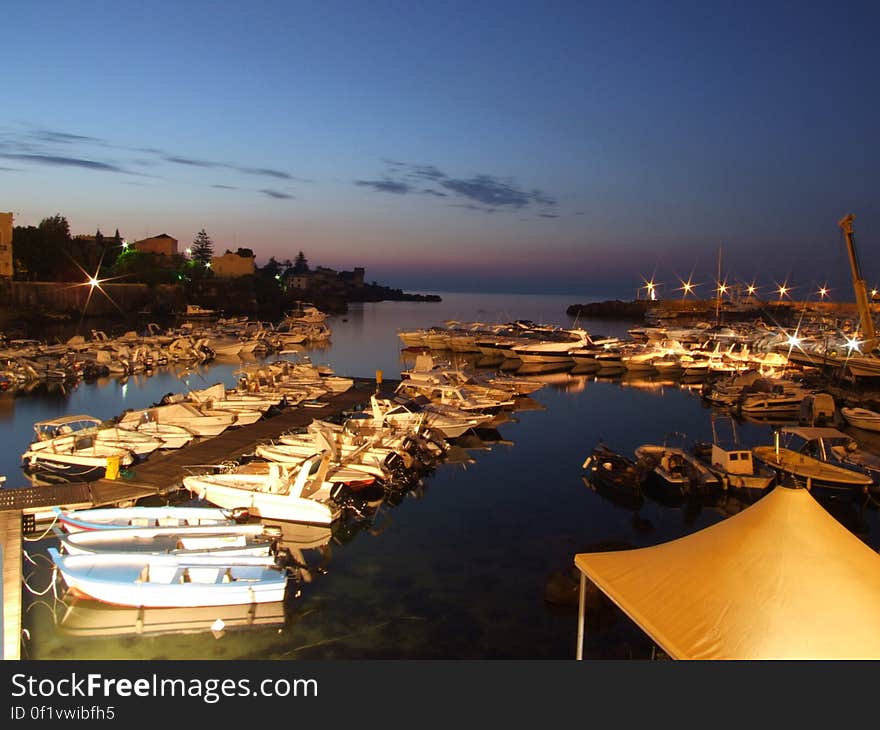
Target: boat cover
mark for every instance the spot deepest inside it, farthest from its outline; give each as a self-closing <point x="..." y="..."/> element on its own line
<point x="783" y="579"/>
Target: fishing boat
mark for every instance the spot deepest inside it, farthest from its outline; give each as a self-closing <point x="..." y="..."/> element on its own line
<point x="247" y="539"/>
<point x="734" y="466"/>
<point x="166" y="581"/>
<point x="113" y="518"/>
<point x="811" y="463"/>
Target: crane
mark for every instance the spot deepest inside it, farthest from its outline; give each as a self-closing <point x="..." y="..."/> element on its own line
<point x="861" y="291"/>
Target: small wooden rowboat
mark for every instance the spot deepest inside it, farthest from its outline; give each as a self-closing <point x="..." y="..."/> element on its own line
<point x="165" y="581"/>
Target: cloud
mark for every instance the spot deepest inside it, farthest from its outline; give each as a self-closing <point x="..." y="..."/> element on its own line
<point x="187" y="161"/>
<point x="386" y="186"/>
<point x="484" y="192"/>
<point x="263" y="171"/>
<point x="547" y="215"/>
<point x="224" y="187"/>
<point x="277" y="194"/>
<point x="57" y="161"/>
<point x="48" y="135"/>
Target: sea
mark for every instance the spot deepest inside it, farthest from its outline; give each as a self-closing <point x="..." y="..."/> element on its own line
<point x="475" y="561"/>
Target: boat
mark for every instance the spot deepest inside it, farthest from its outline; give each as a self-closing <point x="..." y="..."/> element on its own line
<point x="171" y="436"/>
<point x="168" y="581"/>
<point x="811" y="464"/>
<point x="864" y="418"/>
<point x="678" y="469"/>
<point x="201" y="422"/>
<point x="237" y="539"/>
<point x="112" y="518"/>
<point x="615" y="476"/>
<point x="299" y="494"/>
<point x="79" y="459"/>
<point x="734" y="466"/>
<point x="86" y="617"/>
<point x="59" y="434"/>
<point x="195" y="310"/>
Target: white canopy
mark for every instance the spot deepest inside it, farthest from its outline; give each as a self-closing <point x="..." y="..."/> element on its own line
<point x="782" y="579"/>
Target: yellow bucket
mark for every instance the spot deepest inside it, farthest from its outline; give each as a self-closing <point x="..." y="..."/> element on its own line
<point x="112" y="467"/>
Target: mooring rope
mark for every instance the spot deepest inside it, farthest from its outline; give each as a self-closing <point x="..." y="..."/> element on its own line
<point x="37" y="539"/>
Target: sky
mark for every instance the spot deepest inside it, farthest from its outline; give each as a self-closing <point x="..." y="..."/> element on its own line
<point x="538" y="147"/>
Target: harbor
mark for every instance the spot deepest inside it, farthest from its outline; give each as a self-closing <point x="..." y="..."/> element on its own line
<point x="481" y="491"/>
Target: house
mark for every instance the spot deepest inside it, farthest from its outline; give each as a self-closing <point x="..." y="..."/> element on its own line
<point x="163" y="244"/>
<point x="233" y="264"/>
<point x="6" y="244"/>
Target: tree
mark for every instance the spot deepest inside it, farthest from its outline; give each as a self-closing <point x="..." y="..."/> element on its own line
<point x="42" y="253"/>
<point x="301" y="265"/>
<point x="202" y="248"/>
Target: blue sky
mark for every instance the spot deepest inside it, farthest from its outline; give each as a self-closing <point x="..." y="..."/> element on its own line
<point x="563" y="147"/>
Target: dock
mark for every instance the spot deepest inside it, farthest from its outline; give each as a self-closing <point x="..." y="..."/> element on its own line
<point x="157" y="475"/>
<point x="10" y="558"/>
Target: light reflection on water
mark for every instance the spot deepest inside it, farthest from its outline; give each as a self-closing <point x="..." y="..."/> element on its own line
<point x="459" y="567"/>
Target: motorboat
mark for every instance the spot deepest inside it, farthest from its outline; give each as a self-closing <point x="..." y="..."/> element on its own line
<point x="60" y="434"/>
<point x="165" y="581"/>
<point x="678" y="469"/>
<point x="201" y="422"/>
<point x="812" y="464"/>
<point x="302" y="494"/>
<point x="614" y="475"/>
<point x="171" y="436"/>
<point x="75" y="458"/>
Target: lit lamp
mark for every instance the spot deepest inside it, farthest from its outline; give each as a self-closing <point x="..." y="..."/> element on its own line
<point x="823" y="292"/>
<point x="687" y="287"/>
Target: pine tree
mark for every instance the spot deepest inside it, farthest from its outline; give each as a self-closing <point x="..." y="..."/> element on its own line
<point x="202" y="248"/>
<point x="301" y="264"/>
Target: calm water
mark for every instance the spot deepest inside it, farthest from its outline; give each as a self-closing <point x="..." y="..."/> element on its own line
<point x="476" y="562"/>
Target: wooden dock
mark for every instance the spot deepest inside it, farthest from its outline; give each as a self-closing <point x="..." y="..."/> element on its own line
<point x="10" y="558"/>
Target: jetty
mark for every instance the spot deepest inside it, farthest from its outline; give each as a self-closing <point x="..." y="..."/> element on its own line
<point x="160" y="474"/>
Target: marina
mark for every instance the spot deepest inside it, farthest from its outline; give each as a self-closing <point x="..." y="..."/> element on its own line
<point x="493" y="484"/>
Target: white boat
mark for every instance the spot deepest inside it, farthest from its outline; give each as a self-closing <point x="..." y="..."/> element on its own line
<point x="171" y="436"/>
<point x="160" y="581"/>
<point x="552" y="351"/>
<point x="104" y="518"/>
<point x="201" y="422"/>
<point x="245" y="539"/>
<point x="81" y="458"/>
<point x="59" y="434"/>
<point x="298" y="495"/>
<point x="861" y="418"/>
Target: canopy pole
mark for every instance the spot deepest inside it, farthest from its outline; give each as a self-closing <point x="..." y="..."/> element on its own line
<point x="581" y="601"/>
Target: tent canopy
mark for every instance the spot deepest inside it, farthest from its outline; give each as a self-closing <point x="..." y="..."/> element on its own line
<point x="782" y="579"/>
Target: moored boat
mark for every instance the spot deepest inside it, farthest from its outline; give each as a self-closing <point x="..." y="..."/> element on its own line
<point x="154" y="581"/>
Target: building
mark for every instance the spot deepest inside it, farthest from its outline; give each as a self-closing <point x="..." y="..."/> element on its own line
<point x="163" y="244"/>
<point x="233" y="264"/>
<point x="6" y="245"/>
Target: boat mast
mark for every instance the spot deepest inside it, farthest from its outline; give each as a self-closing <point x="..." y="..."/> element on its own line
<point x="861" y="291"/>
